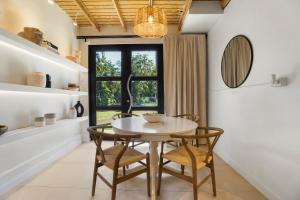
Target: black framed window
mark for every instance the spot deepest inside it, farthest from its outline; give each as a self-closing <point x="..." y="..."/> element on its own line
<point x="113" y="69"/>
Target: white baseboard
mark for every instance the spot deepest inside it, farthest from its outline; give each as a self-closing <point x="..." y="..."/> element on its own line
<point x="12" y="178"/>
<point x="250" y="178"/>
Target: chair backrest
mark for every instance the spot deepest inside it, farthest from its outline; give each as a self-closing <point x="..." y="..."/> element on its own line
<point x="98" y="133"/>
<point x="122" y="115"/>
<point x="211" y="134"/>
<point x="192" y="117"/>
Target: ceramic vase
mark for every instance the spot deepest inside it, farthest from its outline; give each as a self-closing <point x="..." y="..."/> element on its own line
<point x="79" y="109"/>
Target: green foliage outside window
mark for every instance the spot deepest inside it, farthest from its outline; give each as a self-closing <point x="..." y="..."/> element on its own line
<point x="109" y="92"/>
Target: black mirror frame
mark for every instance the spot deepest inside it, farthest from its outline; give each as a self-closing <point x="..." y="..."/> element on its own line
<point x="251" y="62"/>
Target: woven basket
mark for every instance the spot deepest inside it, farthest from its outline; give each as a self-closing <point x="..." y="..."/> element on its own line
<point x="32" y="34"/>
<point x="37" y="79"/>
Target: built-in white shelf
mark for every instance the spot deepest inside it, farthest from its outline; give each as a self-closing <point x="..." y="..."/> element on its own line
<point x="14" y="41"/>
<point x="22" y="133"/>
<point x="32" y="89"/>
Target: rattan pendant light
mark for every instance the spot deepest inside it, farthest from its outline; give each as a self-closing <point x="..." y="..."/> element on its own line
<point x="150" y="22"/>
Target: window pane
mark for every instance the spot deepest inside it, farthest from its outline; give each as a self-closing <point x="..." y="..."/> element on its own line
<point x="105" y="116"/>
<point x="108" y="63"/>
<point x="144" y="93"/>
<point x="144" y="63"/>
<point x="108" y="93"/>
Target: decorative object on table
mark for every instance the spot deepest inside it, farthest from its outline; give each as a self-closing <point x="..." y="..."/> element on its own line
<point x="152" y="117"/>
<point x="48" y="81"/>
<point x="72" y="113"/>
<point x="39" y="121"/>
<point x="3" y="129"/>
<point x="51" y="47"/>
<point x="37" y="79"/>
<point x="79" y="109"/>
<point x="73" y="87"/>
<point x="50" y="118"/>
<point x="237" y="61"/>
<point x="150" y="22"/>
<point x="32" y="34"/>
<point x="78" y="56"/>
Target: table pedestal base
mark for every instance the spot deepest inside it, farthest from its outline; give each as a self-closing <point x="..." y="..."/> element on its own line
<point x="154" y="157"/>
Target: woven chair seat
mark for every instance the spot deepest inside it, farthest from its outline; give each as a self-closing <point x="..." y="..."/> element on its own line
<point x="181" y="156"/>
<point x="129" y="157"/>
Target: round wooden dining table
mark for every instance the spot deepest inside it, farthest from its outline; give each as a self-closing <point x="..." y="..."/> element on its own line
<point x="154" y="133"/>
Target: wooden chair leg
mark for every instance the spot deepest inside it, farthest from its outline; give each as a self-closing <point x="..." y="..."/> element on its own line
<point x="195" y="183"/>
<point x="148" y="174"/>
<point x="195" y="191"/>
<point x="114" y="192"/>
<point x="114" y="185"/>
<point x="124" y="171"/>
<point x="182" y="169"/>
<point x="159" y="174"/>
<point x="95" y="177"/>
<point x="213" y="177"/>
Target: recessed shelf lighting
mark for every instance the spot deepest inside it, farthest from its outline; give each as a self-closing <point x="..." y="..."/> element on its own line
<point x="15" y="42"/>
<point x="17" y="88"/>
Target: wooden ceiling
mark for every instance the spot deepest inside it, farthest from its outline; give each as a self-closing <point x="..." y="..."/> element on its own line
<point x="121" y="12"/>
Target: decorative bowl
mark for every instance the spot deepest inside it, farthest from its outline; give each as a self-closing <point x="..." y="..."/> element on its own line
<point x="50" y="121"/>
<point x="32" y="34"/>
<point x="3" y="129"/>
<point x="39" y="122"/>
<point x="73" y="87"/>
<point x="50" y="115"/>
<point x="152" y="117"/>
<point x="50" y="118"/>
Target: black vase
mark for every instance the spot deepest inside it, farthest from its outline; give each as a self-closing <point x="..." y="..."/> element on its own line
<point x="79" y="109"/>
<point x="48" y="81"/>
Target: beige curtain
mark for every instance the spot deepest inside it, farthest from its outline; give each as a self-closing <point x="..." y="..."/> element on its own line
<point x="185" y="75"/>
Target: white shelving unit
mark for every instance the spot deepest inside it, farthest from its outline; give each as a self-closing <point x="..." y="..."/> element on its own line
<point x="14" y="135"/>
<point x="31" y="149"/>
<point x="14" y="41"/>
<point x="32" y="89"/>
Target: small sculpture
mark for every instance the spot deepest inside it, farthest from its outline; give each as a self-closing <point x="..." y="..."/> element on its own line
<point x="79" y="109"/>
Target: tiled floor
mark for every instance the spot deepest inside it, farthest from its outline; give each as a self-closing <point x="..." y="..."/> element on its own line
<point x="71" y="178"/>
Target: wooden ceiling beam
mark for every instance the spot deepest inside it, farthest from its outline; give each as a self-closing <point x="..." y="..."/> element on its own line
<point x="87" y="14"/>
<point x="115" y="3"/>
<point x="224" y="3"/>
<point x="187" y="6"/>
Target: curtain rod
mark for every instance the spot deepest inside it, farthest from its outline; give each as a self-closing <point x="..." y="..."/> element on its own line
<point x="84" y="37"/>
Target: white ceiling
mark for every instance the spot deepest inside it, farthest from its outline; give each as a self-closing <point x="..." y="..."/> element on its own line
<point x="202" y="16"/>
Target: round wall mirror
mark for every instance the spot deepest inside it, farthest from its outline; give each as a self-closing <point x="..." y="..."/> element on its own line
<point x="237" y="61"/>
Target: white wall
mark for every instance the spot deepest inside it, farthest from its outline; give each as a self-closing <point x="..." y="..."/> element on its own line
<point x="22" y="158"/>
<point x="50" y="19"/>
<point x="261" y="123"/>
